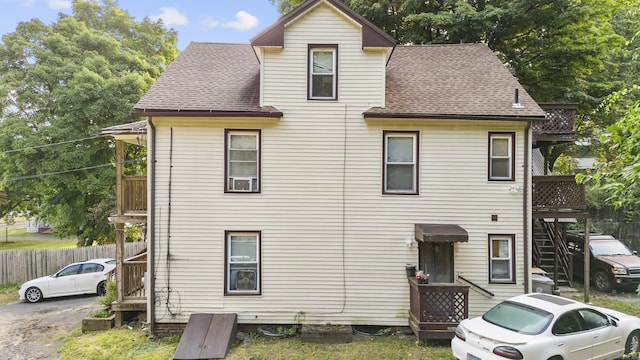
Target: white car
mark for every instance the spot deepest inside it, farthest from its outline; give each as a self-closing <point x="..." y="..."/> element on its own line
<point x="546" y="327"/>
<point x="87" y="277"/>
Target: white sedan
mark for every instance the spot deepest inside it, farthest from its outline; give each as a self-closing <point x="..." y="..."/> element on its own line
<point x="87" y="277"/>
<point x="546" y="327"/>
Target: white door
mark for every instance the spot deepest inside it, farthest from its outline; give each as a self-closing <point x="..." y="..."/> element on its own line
<point x="64" y="282"/>
<point x="571" y="337"/>
<point x="88" y="278"/>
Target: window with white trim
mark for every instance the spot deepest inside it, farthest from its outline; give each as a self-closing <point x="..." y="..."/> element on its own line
<point x="242" y="161"/>
<point x="501" y="159"/>
<point x="323" y="65"/>
<point x="243" y="274"/>
<point x="400" y="168"/>
<point x="502" y="259"/>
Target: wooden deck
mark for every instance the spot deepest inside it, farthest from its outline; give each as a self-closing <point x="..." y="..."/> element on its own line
<point x="437" y="309"/>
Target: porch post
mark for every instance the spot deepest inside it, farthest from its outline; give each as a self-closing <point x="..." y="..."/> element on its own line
<point x="587" y="261"/>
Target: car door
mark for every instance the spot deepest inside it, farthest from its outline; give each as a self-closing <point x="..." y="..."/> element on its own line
<point x="608" y="342"/>
<point x="64" y="281"/>
<point x="571" y="338"/>
<point x="88" y="278"/>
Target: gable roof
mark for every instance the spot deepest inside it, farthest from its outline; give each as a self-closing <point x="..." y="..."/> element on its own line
<point x="208" y="79"/>
<point x="465" y="81"/>
<point x="273" y="36"/>
<point x="452" y="81"/>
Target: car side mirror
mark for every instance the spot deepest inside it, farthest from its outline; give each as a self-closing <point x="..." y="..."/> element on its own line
<point x="635" y="253"/>
<point x="613" y="323"/>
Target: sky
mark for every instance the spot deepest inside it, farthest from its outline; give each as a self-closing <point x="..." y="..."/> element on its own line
<point x="228" y="21"/>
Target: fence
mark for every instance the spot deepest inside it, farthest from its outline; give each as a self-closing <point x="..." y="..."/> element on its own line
<point x="18" y="266"/>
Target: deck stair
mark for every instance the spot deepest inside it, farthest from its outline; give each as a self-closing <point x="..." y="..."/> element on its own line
<point x="543" y="252"/>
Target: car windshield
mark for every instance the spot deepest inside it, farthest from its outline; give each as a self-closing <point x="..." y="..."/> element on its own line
<point x="609" y="247"/>
<point x="110" y="262"/>
<point x="518" y="317"/>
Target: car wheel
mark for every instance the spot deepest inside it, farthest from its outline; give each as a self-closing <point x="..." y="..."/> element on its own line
<point x="633" y="343"/>
<point x="601" y="281"/>
<point x="101" y="290"/>
<point x="33" y="295"/>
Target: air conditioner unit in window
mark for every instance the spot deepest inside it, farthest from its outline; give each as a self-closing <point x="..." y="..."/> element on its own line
<point x="242" y="184"/>
<point x="246" y="280"/>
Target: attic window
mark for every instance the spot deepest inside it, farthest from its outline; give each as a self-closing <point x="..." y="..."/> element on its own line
<point x="323" y="66"/>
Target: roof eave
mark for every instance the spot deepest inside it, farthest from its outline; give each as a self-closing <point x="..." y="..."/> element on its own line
<point x="207" y="113"/>
<point x="425" y="116"/>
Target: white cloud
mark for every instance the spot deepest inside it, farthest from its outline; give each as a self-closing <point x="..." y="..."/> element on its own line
<point x="209" y="22"/>
<point x="59" y="4"/>
<point x="244" y="21"/>
<point x="170" y="16"/>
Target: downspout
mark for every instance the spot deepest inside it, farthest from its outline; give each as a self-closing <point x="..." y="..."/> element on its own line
<point x="151" y="293"/>
<point x="525" y="207"/>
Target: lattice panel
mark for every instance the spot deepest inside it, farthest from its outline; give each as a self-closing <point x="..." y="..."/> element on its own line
<point x="561" y="121"/>
<point x="445" y="307"/>
<point x="565" y="194"/>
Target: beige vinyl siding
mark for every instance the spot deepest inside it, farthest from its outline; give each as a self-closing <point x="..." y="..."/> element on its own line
<point x="361" y="73"/>
<point x="308" y="222"/>
<point x="333" y="246"/>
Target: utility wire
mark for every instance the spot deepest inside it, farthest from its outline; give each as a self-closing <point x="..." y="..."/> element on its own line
<point x="70" y="171"/>
<point x="47" y="145"/>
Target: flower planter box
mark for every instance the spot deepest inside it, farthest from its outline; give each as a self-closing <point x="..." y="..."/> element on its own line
<point x="97" y="324"/>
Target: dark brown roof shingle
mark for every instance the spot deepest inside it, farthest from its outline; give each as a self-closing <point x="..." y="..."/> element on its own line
<point x="460" y="81"/>
<point x="208" y="77"/>
<point x="431" y="81"/>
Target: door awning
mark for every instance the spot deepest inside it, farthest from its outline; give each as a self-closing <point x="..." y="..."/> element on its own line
<point x="441" y="233"/>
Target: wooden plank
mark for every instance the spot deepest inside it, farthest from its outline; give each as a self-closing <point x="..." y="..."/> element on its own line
<point x="207" y="336"/>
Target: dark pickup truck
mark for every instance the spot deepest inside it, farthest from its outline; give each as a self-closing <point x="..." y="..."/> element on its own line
<point x="613" y="264"/>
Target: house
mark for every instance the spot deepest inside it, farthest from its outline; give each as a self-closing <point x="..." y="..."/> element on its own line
<point x="291" y="180"/>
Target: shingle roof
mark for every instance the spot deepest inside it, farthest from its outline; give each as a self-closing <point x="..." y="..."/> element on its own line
<point x="431" y="81"/>
<point x="444" y="81"/>
<point x="208" y="77"/>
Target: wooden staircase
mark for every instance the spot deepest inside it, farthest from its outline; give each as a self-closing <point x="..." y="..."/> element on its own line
<point x="543" y="252"/>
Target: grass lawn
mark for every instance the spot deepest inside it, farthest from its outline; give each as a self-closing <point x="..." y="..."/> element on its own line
<point x="37" y="244"/>
<point x="8" y="293"/>
<point x="124" y="343"/>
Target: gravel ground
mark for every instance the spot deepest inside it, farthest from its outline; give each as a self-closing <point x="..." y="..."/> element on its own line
<point x="35" y="331"/>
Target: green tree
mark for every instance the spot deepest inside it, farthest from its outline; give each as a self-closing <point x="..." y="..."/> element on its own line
<point x="553" y="46"/>
<point x="60" y="84"/>
<point x="618" y="169"/>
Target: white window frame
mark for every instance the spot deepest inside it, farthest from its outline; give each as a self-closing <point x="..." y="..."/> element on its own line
<point x="510" y="259"/>
<point x="232" y="179"/>
<point x="414" y="135"/>
<point x="249" y="265"/>
<point x="510" y="137"/>
<point x="334" y="71"/>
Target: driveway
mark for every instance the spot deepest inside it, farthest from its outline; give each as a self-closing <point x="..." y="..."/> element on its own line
<point x="35" y="331"/>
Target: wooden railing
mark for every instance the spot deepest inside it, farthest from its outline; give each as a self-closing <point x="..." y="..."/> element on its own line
<point x="134" y="193"/>
<point x="437" y="308"/>
<point x="557" y="193"/>
<point x="562" y="118"/>
<point x="133" y="284"/>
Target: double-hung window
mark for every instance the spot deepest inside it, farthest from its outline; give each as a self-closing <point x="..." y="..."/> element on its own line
<point x="243" y="274"/>
<point x="501" y="158"/>
<point x="242" y="161"/>
<point x="502" y="259"/>
<point x="323" y="70"/>
<point x="400" y="168"/>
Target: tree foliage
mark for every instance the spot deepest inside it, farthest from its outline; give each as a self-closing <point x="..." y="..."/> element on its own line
<point x="61" y="84"/>
<point x="553" y="46"/>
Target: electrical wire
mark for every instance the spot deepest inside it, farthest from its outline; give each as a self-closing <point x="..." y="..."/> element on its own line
<point x="52" y="144"/>
<point x="25" y="177"/>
